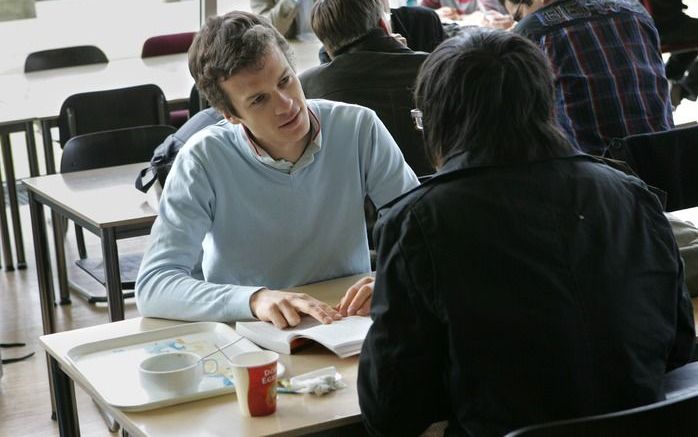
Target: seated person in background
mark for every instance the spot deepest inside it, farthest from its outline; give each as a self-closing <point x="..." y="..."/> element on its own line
<point x="525" y="282"/>
<point x="420" y="27"/>
<point x="609" y="74"/>
<point x="290" y="17"/>
<point x="455" y="9"/>
<point x="270" y="199"/>
<point x="369" y="67"/>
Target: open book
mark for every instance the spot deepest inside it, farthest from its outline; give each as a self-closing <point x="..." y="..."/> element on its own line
<point x="343" y="337"/>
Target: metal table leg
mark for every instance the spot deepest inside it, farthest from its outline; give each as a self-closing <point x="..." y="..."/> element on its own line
<point x="14" y="203"/>
<point x="48" y="146"/>
<point x="64" y="392"/>
<point x="59" y="225"/>
<point x="110" y="256"/>
<point x="5" y="233"/>
<point x="43" y="272"/>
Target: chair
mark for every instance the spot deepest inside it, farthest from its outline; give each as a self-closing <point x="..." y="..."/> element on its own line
<point x="64" y="57"/>
<point x="666" y="160"/>
<point x="196" y="101"/>
<point x="674" y="417"/>
<point x="112" y="148"/>
<point x="677" y="416"/>
<point x="167" y="44"/>
<point x="110" y="109"/>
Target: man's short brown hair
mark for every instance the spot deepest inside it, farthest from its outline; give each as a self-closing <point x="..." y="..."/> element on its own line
<point x="338" y="23"/>
<point x="226" y="45"/>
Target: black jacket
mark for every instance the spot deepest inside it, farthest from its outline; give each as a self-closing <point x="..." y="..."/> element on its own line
<point x="379" y="73"/>
<point x="515" y="294"/>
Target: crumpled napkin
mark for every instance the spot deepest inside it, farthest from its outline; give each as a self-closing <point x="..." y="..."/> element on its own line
<point x="318" y="382"/>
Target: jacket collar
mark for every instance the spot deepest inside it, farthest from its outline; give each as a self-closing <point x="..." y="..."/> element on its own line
<point x="463" y="160"/>
<point x="374" y="41"/>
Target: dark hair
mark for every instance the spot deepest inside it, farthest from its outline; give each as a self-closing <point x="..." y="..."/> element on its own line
<point x="489" y="93"/>
<point x="338" y="23"/>
<point x="227" y="44"/>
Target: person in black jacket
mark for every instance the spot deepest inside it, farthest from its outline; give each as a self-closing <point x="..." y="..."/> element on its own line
<point x="525" y="282"/>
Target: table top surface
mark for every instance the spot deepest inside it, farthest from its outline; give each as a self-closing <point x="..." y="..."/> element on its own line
<point x="219" y="415"/>
<point x="105" y="197"/>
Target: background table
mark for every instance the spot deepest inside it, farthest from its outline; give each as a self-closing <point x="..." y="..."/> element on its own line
<point x="217" y="416"/>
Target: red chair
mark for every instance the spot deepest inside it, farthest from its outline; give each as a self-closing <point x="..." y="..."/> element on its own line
<point x="171" y="44"/>
<point x="167" y="44"/>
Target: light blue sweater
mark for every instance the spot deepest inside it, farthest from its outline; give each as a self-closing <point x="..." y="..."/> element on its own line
<point x="259" y="226"/>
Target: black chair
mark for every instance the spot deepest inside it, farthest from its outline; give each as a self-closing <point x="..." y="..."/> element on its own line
<point x="676" y="417"/>
<point x="112" y="148"/>
<point x="666" y="160"/>
<point x="96" y="111"/>
<point x="64" y="57"/>
<point x="196" y="101"/>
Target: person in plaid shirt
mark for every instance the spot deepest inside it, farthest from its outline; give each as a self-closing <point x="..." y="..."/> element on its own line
<point x="609" y="75"/>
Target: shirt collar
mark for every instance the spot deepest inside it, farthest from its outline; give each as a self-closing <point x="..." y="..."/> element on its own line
<point x="306" y="158"/>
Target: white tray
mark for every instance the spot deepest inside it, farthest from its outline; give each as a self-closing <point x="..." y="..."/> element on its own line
<point x="111" y="366"/>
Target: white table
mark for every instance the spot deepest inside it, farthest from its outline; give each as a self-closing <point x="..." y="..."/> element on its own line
<point x="217" y="416"/>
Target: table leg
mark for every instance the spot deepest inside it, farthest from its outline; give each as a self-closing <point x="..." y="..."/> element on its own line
<point x="31" y="149"/>
<point x="59" y="226"/>
<point x="43" y="272"/>
<point x="64" y="392"/>
<point x="5" y="232"/>
<point x="48" y="146"/>
<point x="14" y="203"/>
<point x="110" y="258"/>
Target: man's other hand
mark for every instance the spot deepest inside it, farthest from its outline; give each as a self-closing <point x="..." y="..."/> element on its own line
<point x="357" y="299"/>
<point x="285" y="308"/>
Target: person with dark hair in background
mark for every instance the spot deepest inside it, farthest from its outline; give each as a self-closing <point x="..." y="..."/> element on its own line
<point x="609" y="73"/>
<point x="369" y="67"/>
<point x="525" y="282"/>
<point x="270" y="198"/>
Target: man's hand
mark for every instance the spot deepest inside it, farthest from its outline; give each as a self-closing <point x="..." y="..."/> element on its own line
<point x="284" y="308"/>
<point x="448" y="13"/>
<point x="399" y="38"/>
<point x="357" y="299"/>
<point x="495" y="20"/>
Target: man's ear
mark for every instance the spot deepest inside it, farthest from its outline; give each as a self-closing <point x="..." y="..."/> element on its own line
<point x="384" y="23"/>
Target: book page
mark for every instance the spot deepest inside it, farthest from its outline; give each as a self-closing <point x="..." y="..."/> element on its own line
<point x="352" y="329"/>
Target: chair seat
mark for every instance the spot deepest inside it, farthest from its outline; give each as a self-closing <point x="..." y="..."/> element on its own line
<point x="128" y="265"/>
<point x="682" y="381"/>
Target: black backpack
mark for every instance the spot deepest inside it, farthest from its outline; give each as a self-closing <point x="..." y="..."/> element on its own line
<point x="164" y="155"/>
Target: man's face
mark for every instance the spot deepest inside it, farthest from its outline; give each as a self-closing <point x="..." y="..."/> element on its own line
<point x="270" y="103"/>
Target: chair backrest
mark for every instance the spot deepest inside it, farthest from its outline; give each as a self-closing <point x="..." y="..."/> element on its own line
<point x="113" y="147"/>
<point x="64" y="57"/>
<point x="676" y="417"/>
<point x="112" y="109"/>
<point x="167" y="44"/>
<point x="195" y="101"/>
<point x="666" y="160"/>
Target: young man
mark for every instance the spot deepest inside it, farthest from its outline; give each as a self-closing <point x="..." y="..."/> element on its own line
<point x="525" y="282"/>
<point x="271" y="197"/>
<point x="369" y="67"/>
<point x="609" y="74"/>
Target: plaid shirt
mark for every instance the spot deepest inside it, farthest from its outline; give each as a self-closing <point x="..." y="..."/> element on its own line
<point x="609" y="74"/>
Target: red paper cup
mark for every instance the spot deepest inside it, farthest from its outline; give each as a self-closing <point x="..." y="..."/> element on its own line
<point x="255" y="382"/>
